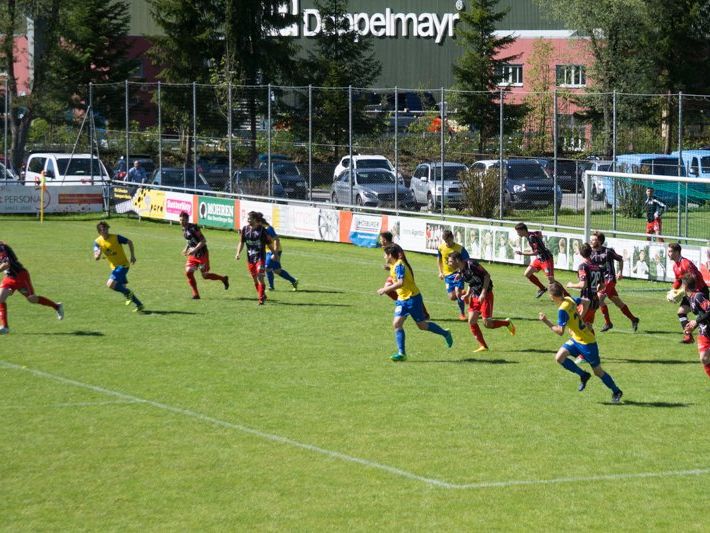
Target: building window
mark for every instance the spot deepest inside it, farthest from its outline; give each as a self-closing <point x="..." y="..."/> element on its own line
<point x="510" y="75"/>
<point x="571" y="75"/>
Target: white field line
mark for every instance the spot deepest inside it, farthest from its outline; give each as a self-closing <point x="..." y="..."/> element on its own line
<point x="344" y="457"/>
<point x="68" y="404"/>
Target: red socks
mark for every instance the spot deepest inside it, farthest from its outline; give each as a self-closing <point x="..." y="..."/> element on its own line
<point x="3" y="315"/>
<point x="192" y="282"/>
<point x="41" y="300"/>
<point x="536" y="282"/>
<point x="478" y="334"/>
<point x="707" y="369"/>
<point x="628" y="313"/>
<point x="209" y="275"/>
<point x="499" y="324"/>
<point x="605" y="311"/>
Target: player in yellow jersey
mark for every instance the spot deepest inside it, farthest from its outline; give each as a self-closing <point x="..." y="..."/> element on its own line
<point x="583" y="341"/>
<point x="110" y="246"/>
<point x="454" y="284"/>
<point x="409" y="302"/>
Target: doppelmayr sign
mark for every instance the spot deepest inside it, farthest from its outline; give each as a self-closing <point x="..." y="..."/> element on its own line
<point x="386" y="24"/>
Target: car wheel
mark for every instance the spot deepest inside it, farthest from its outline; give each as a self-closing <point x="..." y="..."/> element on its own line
<point x="358" y="200"/>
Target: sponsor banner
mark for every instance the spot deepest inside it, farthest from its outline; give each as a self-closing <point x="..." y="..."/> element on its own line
<point x="306" y="222"/>
<point x="365" y="229"/>
<point x="412" y="234"/>
<point x="245" y="206"/>
<point x="215" y="212"/>
<point x="65" y="199"/>
<point x="149" y="203"/>
<point x="176" y="203"/>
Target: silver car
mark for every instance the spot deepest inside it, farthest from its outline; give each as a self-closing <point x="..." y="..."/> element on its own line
<point x="370" y="188"/>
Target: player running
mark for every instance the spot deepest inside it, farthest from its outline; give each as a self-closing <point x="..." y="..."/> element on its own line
<point x="17" y="278"/>
<point x="454" y="285"/>
<point x="654" y="210"/>
<point x="582" y="341"/>
<point x="479" y="297"/>
<point x="409" y="302"/>
<point x="255" y="237"/>
<point x="387" y="239"/>
<point x="543" y="260"/>
<point x="273" y="260"/>
<point x="606" y="257"/>
<point x="591" y="280"/>
<point x="700" y="305"/>
<point x="198" y="256"/>
<point x="682" y="267"/>
<point x="110" y="245"/>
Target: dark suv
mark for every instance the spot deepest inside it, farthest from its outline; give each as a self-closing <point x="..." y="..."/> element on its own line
<point x="287" y="174"/>
<point x="569" y="173"/>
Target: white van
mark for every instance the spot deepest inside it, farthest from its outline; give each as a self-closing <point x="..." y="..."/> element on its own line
<point x="65" y="169"/>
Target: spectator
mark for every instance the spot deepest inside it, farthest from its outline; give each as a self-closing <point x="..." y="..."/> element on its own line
<point x="137" y="173"/>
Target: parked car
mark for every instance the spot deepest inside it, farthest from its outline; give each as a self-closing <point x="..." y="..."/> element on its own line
<point x="255" y="182"/>
<point x="119" y="169"/>
<point x="599" y="191"/>
<point x="363" y="162"/>
<point x="569" y="173"/>
<point x="428" y="187"/>
<point x="215" y="169"/>
<point x="525" y="185"/>
<point x="287" y="174"/>
<point x="657" y="164"/>
<point x="65" y="169"/>
<point x="179" y="178"/>
<point x="8" y="175"/>
<point x="371" y="188"/>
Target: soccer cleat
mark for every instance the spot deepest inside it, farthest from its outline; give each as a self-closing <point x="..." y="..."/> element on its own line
<point x="541" y="292"/>
<point x="129" y="297"/>
<point x="510" y="326"/>
<point x="583" y="381"/>
<point x="139" y="308"/>
<point x="606" y="327"/>
<point x="295" y="285"/>
<point x="60" y="311"/>
<point x="398" y="357"/>
<point x="4" y="331"/>
<point x="195" y="296"/>
<point x="261" y="301"/>
<point x="225" y="281"/>
<point x="635" y="324"/>
<point x="449" y="338"/>
<point x="616" y="396"/>
<point x="481" y="349"/>
<point x="271" y="288"/>
<point x="463" y="317"/>
<point x="687" y="338"/>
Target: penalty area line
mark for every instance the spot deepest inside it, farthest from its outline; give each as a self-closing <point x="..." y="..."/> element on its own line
<point x="128" y="398"/>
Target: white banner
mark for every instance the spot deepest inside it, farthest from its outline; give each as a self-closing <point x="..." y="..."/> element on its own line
<point x="68" y="199"/>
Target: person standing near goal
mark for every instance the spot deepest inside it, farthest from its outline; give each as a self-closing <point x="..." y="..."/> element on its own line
<point x="17" y="278"/>
<point x="683" y="267"/>
<point x="654" y="210"/>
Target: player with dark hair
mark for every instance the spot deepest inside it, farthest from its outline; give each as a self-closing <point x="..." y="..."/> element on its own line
<point x="654" y="210"/>
<point x="454" y="285"/>
<point x="198" y="256"/>
<point x="582" y="341"/>
<point x="386" y="239"/>
<point x="591" y="280"/>
<point x="700" y="305"/>
<point x="606" y="257"/>
<point x="110" y="246"/>
<point x="479" y="297"/>
<point x="255" y="237"/>
<point x="409" y="302"/>
<point x="17" y="278"/>
<point x="273" y="260"/>
<point x="682" y="267"/>
<point x="543" y="260"/>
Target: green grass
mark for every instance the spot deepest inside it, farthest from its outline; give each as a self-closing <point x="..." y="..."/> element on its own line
<point x="219" y="414"/>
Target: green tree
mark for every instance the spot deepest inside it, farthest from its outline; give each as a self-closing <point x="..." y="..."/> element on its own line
<point x="479" y="68"/>
<point x="538" y="100"/>
<point x="340" y="58"/>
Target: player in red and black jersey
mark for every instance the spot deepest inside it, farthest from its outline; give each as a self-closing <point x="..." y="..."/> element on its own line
<point x="255" y="237"/>
<point x="17" y="278"/>
<point x="543" y="258"/>
<point x="606" y="259"/>
<point x="654" y="211"/>
<point x="198" y="256"/>
<point x="700" y="305"/>
<point x="682" y="267"/>
<point x="479" y="297"/>
<point x="591" y="280"/>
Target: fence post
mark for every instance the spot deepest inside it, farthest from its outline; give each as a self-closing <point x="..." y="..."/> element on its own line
<point x="555" y="132"/>
<point x="442" y="117"/>
<point x="681" y="165"/>
<point x="500" y="154"/>
<point x="396" y="147"/>
<point x="268" y="139"/>
<point x="350" y="139"/>
<point x="5" y="127"/>
<point x="92" y="132"/>
<point x="194" y="134"/>
<point x="229" y="131"/>
<point x="127" y="123"/>
<point x="613" y="164"/>
<point x="160" y="131"/>
<point x="310" y="142"/>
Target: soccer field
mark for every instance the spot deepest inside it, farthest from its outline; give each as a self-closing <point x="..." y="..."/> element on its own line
<point x="218" y="414"/>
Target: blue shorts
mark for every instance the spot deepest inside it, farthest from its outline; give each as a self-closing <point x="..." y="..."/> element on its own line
<point x="590" y="352"/>
<point x="271" y="263"/>
<point x="119" y="274"/>
<point x="453" y="281"/>
<point x="413" y="307"/>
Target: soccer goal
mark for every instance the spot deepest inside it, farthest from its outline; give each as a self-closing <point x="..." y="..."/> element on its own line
<point x="656" y="206"/>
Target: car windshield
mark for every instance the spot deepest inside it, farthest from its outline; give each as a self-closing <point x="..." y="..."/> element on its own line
<point x="252" y="175"/>
<point x="285" y="168"/>
<point x="373" y="163"/>
<point x="78" y="167"/>
<point x="179" y="178"/>
<point x="666" y="166"/>
<point x="215" y="160"/>
<point x="450" y="173"/>
<point x="370" y="178"/>
<point x="604" y="168"/>
<point x="526" y="171"/>
<point x="565" y="167"/>
<point x="705" y="164"/>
